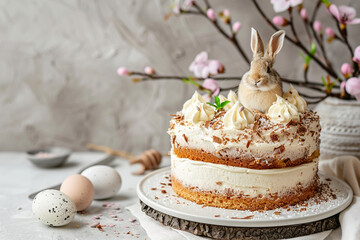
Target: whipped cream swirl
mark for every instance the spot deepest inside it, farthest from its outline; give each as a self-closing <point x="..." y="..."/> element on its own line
<point x="293" y="97"/>
<point x="238" y="117"/>
<point x="190" y="103"/>
<point x="199" y="112"/>
<point x="233" y="98"/>
<point x="282" y="111"/>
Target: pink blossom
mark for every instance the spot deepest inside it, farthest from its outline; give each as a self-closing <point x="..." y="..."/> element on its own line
<point x="226" y="13"/>
<point x="317" y="26"/>
<point x="346" y="69"/>
<point x="210" y="14"/>
<point x="149" y="70"/>
<point x="303" y="14"/>
<point x="344" y="14"/>
<point x="236" y="26"/>
<point x="122" y="71"/>
<point x="279" y="21"/>
<point x="212" y="85"/>
<point x="202" y="67"/>
<point x="283" y="5"/>
<point x="356" y="57"/>
<point x="330" y="32"/>
<point x="353" y="87"/>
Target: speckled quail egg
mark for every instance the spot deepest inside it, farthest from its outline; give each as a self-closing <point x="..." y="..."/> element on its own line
<point x="53" y="208"/>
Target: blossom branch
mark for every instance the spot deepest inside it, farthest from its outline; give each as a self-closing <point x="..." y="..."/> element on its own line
<point x="292" y="25"/>
<point x="310" y="97"/>
<point x="146" y="77"/>
<point x="345" y="40"/>
<point x="296" y="43"/>
<point x="318" y="98"/>
<point x="303" y="15"/>
<point x="343" y="33"/>
<point x="231" y="38"/>
<point x="317" y="101"/>
<point x="206" y="70"/>
<point x="318" y="40"/>
<point x="344" y="15"/>
<point x="229" y="88"/>
<point x="297" y="39"/>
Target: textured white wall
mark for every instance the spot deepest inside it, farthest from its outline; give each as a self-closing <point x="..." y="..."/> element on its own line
<point x="58" y="61"/>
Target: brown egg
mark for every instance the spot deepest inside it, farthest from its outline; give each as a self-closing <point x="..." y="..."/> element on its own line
<point x="79" y="189"/>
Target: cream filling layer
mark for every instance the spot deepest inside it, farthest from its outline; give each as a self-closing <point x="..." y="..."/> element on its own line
<point x="236" y="180"/>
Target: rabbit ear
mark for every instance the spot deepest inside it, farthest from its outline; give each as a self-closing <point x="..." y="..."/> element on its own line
<point x="275" y="43"/>
<point x="257" y="45"/>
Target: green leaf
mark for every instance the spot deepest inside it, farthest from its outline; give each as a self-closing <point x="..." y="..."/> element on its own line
<point x="185" y="80"/>
<point x="326" y="2"/>
<point x="324" y="82"/>
<point x="313" y="49"/>
<point x="218" y="105"/>
<point x="223" y="104"/>
<point x="191" y="81"/>
<point x="212" y="105"/>
<point x="309" y="57"/>
<point x="217" y="100"/>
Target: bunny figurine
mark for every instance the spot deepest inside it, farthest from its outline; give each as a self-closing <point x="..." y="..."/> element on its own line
<point x="260" y="85"/>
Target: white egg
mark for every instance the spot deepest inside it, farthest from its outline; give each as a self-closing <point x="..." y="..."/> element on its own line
<point x="53" y="208"/>
<point x="106" y="180"/>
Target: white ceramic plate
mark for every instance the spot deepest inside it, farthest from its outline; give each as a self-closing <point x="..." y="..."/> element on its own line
<point x="155" y="191"/>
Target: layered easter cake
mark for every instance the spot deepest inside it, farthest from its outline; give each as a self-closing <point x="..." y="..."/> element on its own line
<point x="237" y="158"/>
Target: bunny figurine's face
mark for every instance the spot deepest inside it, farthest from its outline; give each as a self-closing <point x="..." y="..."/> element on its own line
<point x="261" y="75"/>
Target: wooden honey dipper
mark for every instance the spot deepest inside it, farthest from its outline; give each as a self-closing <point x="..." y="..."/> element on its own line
<point x="149" y="160"/>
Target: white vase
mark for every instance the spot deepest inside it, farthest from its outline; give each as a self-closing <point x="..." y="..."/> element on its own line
<point x="340" y="127"/>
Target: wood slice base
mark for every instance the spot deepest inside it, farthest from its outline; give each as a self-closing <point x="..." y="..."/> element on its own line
<point x="242" y="233"/>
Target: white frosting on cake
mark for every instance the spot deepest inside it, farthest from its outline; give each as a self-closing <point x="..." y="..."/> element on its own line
<point x="251" y="182"/>
<point x="199" y="112"/>
<point x="196" y="97"/>
<point x="293" y="97"/>
<point x="296" y="145"/>
<point x="233" y="98"/>
<point x="282" y="111"/>
<point x="238" y="117"/>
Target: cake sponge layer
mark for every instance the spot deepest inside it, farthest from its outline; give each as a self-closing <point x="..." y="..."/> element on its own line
<point x="241" y="202"/>
<point x="241" y="160"/>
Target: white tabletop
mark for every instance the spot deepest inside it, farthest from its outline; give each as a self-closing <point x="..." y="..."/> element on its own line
<point x="19" y="177"/>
